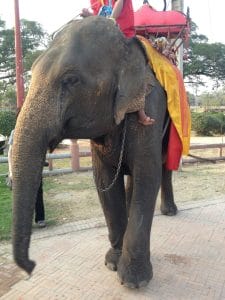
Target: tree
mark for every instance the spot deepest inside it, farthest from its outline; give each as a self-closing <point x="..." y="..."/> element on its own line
<point x="191" y="99"/>
<point x="216" y="98"/>
<point x="205" y="60"/>
<point x="34" y="40"/>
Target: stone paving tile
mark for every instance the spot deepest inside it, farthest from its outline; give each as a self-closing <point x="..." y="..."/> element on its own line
<point x="6" y="278"/>
<point x="187" y="253"/>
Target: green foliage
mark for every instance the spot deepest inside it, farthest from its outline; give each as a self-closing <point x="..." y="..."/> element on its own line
<point x="7" y="96"/>
<point x="7" y="122"/>
<point x="33" y="37"/>
<point x="208" y="123"/>
<point x="34" y="40"/>
<point x="217" y="98"/>
<point x="204" y="59"/>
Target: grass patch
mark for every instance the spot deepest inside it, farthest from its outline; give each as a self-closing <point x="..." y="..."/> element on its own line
<point x="3" y="168"/>
<point x="67" y="198"/>
<point x="5" y="210"/>
<point x="56" y="191"/>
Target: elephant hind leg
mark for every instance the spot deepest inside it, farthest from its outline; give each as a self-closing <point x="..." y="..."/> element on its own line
<point x="129" y="192"/>
<point x="168" y="206"/>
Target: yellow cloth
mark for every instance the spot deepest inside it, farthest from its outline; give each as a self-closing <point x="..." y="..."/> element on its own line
<point x="171" y="80"/>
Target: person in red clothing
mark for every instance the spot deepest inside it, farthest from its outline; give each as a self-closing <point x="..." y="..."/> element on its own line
<point x="123" y="13"/>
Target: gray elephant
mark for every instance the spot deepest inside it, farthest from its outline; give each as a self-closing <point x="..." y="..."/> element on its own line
<point x="89" y="84"/>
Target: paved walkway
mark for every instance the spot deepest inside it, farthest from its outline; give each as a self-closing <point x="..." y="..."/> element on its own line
<point x="187" y="252"/>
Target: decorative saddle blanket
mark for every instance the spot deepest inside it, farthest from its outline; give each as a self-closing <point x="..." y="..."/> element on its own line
<point x="172" y="81"/>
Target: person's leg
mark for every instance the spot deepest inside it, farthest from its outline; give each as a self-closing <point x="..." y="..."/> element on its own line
<point x="39" y="205"/>
<point x="144" y="119"/>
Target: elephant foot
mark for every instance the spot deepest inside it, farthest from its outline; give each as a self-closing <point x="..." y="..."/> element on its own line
<point x="169" y="209"/>
<point x="133" y="273"/>
<point x="112" y="258"/>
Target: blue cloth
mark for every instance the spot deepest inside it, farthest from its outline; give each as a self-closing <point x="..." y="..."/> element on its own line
<point x="105" y="11"/>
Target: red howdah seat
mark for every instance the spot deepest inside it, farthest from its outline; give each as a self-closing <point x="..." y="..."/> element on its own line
<point x="170" y="24"/>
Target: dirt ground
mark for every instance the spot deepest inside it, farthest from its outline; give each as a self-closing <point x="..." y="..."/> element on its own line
<point x="73" y="196"/>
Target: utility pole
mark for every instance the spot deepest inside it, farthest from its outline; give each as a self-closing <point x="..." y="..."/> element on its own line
<point x="179" y="6"/>
<point x="19" y="57"/>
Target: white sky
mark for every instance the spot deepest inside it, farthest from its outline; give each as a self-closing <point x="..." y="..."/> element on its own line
<point x="52" y="14"/>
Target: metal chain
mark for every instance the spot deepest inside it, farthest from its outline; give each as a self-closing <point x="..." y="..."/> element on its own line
<point x="103" y="190"/>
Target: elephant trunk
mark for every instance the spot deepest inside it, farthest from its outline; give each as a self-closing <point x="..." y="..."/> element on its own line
<point x="20" y="251"/>
<point x="28" y="156"/>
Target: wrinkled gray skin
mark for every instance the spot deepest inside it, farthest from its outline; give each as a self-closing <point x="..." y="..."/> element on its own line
<point x="82" y="87"/>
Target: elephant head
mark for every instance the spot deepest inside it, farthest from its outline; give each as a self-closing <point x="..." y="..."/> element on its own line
<point x="81" y="87"/>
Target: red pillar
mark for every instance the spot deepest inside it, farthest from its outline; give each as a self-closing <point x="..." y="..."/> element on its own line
<point x="19" y="57"/>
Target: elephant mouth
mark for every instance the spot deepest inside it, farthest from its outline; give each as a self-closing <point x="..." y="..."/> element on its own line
<point x="53" y="143"/>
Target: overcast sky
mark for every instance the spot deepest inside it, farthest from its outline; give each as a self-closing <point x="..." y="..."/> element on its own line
<point x="51" y="14"/>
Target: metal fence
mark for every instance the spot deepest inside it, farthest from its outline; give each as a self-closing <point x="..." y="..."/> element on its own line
<point x="72" y="152"/>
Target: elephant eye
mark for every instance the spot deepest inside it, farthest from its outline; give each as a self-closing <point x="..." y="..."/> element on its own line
<point x="68" y="82"/>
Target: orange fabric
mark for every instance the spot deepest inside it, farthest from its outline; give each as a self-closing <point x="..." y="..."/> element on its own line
<point x="184" y="113"/>
<point x="171" y="80"/>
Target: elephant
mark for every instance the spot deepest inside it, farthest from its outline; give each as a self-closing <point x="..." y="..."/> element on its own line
<point x="89" y="84"/>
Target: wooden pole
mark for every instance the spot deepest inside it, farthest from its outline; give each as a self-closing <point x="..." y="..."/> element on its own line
<point x="75" y="158"/>
<point x="19" y="58"/>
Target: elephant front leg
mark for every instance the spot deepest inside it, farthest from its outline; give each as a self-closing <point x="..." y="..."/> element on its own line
<point x="168" y="206"/>
<point x="114" y="207"/>
<point x="134" y="268"/>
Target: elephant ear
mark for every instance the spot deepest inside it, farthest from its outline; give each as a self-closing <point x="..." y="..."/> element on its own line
<point x="133" y="82"/>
